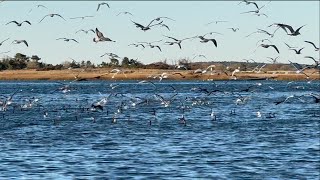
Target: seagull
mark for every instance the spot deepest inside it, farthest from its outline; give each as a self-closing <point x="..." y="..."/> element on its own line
<point x="250" y="2"/>
<point x="315" y="47"/>
<point x="297" y="51"/>
<point x="81" y="17"/>
<point x="264" y="32"/>
<point x="284" y="100"/>
<point x="299" y="68"/>
<point x="234" y="29"/>
<point x="125" y="12"/>
<point x="205" y="40"/>
<point x="153" y="46"/>
<point x="177" y="41"/>
<point x="273" y="60"/>
<point x="100" y="37"/>
<point x="200" y="55"/>
<point x="101" y="4"/>
<point x="86" y="31"/>
<point x="270" y="45"/>
<point x="285" y="27"/>
<point x="19" y="24"/>
<point x="136" y="45"/>
<point x="39" y="5"/>
<point x="216" y="22"/>
<point x="20" y="41"/>
<point x="111" y="55"/>
<point x="67" y="40"/>
<point x="148" y="27"/>
<point x="4" y="41"/>
<point x="51" y="15"/>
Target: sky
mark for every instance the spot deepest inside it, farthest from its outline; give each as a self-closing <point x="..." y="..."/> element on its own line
<point x="190" y="19"/>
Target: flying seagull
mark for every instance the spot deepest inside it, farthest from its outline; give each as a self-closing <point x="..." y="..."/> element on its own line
<point x="81" y="17"/>
<point x="205" y="40"/>
<point x="19" y="24"/>
<point x="86" y="31"/>
<point x="285" y="27"/>
<point x="176" y="41"/>
<point x="216" y="22"/>
<point x="297" y="51"/>
<point x="234" y="29"/>
<point x="269" y="45"/>
<point x="51" y="15"/>
<point x="67" y="39"/>
<point x="100" y="37"/>
<point x="20" y="41"/>
<point x="273" y="60"/>
<point x="148" y="27"/>
<point x="101" y="4"/>
<point x="125" y="12"/>
<point x="136" y="45"/>
<point x="264" y="32"/>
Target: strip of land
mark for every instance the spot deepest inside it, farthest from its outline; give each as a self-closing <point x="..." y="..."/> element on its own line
<point x="149" y="74"/>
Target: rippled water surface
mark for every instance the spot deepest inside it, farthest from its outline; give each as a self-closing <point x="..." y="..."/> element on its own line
<point x="140" y="132"/>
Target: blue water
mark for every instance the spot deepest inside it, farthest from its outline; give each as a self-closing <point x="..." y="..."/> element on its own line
<point x="49" y="134"/>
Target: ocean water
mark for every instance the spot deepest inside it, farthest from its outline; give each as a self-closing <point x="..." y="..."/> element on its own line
<point x="162" y="130"/>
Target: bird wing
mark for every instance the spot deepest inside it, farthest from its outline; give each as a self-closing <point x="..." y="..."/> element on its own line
<point x="99" y="34"/>
<point x="171" y="38"/>
<point x="59" y="16"/>
<point x="74" y="40"/>
<point x="214" y="42"/>
<point x="44" y="17"/>
<point x="158" y="48"/>
<point x="138" y="25"/>
<point x="27" y="22"/>
<point x="275" y="47"/>
<point x="99" y="6"/>
<point x="165" y="26"/>
<point x="25" y="42"/>
<point x="5" y="40"/>
<point x="13" y="22"/>
<point x="311" y="43"/>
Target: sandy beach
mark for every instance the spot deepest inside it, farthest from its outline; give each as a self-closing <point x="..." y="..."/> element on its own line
<point x="145" y="74"/>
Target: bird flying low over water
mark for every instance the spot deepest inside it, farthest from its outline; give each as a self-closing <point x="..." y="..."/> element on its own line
<point x="100" y="37"/>
<point x="20" y="41"/>
<point x="51" y="15"/>
<point x="19" y="24"/>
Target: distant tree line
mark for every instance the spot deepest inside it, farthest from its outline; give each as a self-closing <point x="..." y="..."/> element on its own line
<point x="21" y="61"/>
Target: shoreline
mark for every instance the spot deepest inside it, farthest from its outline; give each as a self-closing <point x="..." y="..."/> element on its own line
<point x="146" y="74"/>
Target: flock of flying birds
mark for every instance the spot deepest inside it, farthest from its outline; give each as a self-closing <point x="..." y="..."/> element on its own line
<point x="156" y="100"/>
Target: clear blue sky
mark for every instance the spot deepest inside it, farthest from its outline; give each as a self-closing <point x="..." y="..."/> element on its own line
<point x="190" y="16"/>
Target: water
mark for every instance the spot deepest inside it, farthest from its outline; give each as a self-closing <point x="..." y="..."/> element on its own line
<point x="74" y="141"/>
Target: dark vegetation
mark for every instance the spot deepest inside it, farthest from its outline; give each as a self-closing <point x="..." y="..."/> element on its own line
<point x="21" y="61"/>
